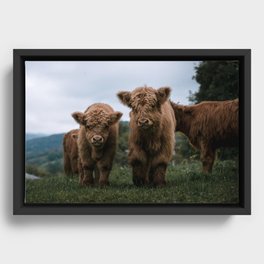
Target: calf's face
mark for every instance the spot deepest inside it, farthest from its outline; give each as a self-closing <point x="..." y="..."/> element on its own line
<point x="146" y="104"/>
<point x="97" y="125"/>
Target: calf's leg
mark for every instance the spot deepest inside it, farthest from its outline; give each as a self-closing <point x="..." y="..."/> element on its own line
<point x="140" y="173"/>
<point x="159" y="166"/>
<point x="74" y="165"/>
<point x="86" y="178"/>
<point x="140" y="166"/>
<point x="80" y="170"/>
<point x="67" y="164"/>
<point x="96" y="175"/>
<point x="157" y="174"/>
<point x="104" y="170"/>
<point x="207" y="158"/>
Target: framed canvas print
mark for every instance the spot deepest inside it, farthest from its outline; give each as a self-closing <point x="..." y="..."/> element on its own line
<point x="132" y="132"/>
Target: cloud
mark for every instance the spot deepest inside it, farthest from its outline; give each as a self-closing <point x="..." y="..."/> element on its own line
<point x="55" y="89"/>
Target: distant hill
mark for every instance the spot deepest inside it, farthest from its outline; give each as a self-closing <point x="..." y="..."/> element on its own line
<point x="39" y="146"/>
<point x="44" y="155"/>
<point x="30" y="136"/>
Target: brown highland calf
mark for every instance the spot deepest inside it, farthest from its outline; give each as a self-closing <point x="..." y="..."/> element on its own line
<point x="152" y="136"/>
<point x="209" y="125"/>
<point x="97" y="142"/>
<point x="70" y="151"/>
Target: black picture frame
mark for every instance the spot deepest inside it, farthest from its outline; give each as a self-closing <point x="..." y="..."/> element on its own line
<point x="19" y="58"/>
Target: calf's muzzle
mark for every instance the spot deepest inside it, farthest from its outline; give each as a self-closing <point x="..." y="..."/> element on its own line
<point x="97" y="140"/>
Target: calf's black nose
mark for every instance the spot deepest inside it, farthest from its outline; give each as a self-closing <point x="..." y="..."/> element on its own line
<point x="143" y="121"/>
<point x="97" y="139"/>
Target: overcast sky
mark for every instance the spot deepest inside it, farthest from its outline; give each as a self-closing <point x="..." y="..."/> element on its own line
<point x="56" y="89"/>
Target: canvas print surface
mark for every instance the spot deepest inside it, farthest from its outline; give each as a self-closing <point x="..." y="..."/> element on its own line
<point x="132" y="132"/>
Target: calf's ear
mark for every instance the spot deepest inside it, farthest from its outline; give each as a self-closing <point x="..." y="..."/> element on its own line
<point x="115" y="117"/>
<point x="74" y="136"/>
<point x="125" y="98"/>
<point x="181" y="109"/>
<point x="78" y="117"/>
<point x="177" y="107"/>
<point x="163" y="94"/>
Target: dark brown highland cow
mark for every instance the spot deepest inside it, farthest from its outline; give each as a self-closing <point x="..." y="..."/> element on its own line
<point x="152" y="136"/>
<point x="97" y="142"/>
<point x="209" y="125"/>
<point x="70" y="152"/>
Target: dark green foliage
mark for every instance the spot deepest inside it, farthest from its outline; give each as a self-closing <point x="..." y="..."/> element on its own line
<point x="218" y="80"/>
<point x="54" y="167"/>
<point x="228" y="154"/>
<point x="185" y="184"/>
<point x="53" y="155"/>
<point x="36" y="170"/>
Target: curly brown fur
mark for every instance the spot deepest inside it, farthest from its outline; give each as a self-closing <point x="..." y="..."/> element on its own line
<point x="70" y="151"/>
<point x="152" y="137"/>
<point x="209" y="125"/>
<point x="97" y="142"/>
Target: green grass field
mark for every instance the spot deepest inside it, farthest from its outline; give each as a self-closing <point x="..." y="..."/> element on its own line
<point x="185" y="184"/>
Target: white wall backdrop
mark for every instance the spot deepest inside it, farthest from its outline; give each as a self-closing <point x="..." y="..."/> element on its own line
<point x="134" y="24"/>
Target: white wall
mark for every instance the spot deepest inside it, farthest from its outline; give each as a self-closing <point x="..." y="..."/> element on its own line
<point x="137" y="24"/>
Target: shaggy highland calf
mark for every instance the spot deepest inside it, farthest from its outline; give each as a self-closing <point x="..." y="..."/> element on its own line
<point x="209" y="125"/>
<point x="97" y="142"/>
<point x="152" y="136"/>
<point x="70" y="152"/>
